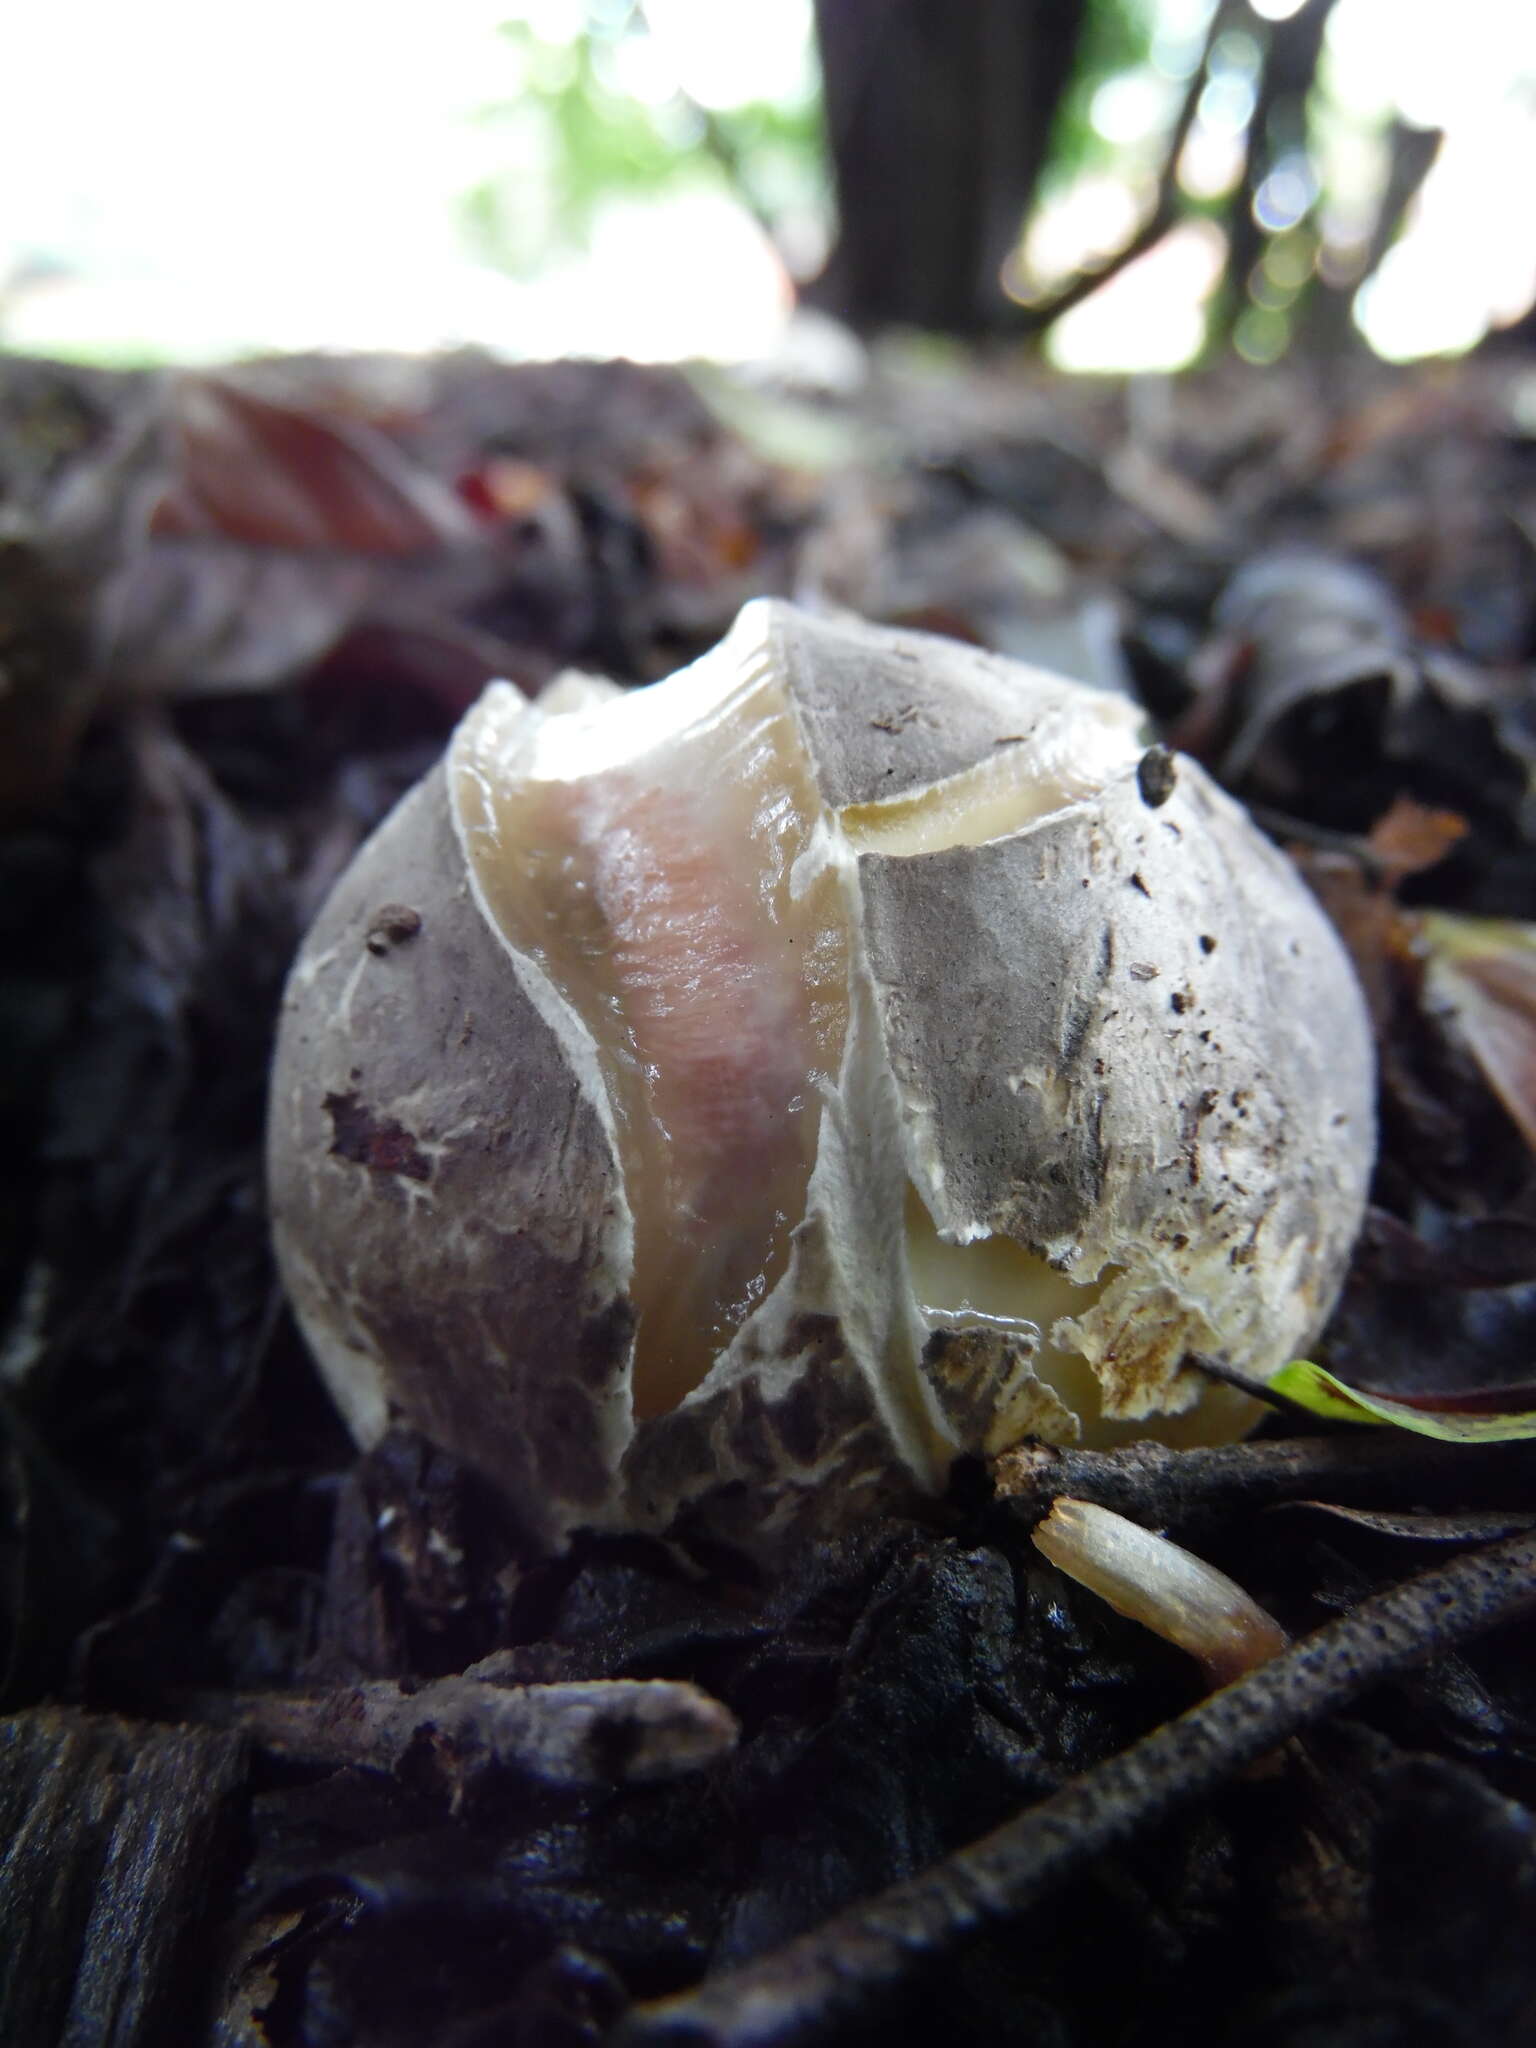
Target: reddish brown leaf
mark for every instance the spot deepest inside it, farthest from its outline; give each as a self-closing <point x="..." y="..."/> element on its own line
<point x="279" y="476"/>
<point x="1410" y="837"/>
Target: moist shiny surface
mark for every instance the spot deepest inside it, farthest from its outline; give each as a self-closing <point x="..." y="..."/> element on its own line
<point x="999" y="1283"/>
<point x="682" y="901"/>
<point x="996" y="1282"/>
<point x="1061" y="764"/>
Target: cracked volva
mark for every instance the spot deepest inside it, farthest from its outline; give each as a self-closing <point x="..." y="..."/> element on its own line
<point x="790" y="1076"/>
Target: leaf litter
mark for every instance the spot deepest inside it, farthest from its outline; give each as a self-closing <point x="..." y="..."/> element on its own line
<point x="222" y="672"/>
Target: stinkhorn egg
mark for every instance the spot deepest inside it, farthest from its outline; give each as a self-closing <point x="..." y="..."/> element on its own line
<point x="733" y="1099"/>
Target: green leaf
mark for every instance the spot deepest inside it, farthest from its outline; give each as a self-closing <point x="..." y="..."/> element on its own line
<point x="1320" y="1393"/>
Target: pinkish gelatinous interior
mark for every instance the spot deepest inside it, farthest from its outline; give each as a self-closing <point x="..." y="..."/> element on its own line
<point x="676" y="888"/>
<point x="665" y="860"/>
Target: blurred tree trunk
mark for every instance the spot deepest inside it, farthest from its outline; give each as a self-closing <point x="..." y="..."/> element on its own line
<point x="1277" y="130"/>
<point x="939" y="116"/>
<point x="1326" y="325"/>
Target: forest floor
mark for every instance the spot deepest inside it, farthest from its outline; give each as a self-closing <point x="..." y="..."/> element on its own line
<point x="261" y="1783"/>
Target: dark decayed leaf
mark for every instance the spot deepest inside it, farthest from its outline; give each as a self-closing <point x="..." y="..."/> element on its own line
<point x="1477" y="1527"/>
<point x="1316" y="699"/>
<point x="276" y="531"/>
<point x="1466" y="1253"/>
<point x="208" y="614"/>
<point x="74" y="501"/>
<point x="1438" y="1316"/>
<point x="57" y="1559"/>
<point x="1303" y="645"/>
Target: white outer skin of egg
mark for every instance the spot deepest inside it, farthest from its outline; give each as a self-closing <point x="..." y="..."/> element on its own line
<point x="809" y="1068"/>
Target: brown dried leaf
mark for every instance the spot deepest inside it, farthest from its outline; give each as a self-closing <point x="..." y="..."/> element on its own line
<point x="1410" y="837"/>
<point x="1482" y="974"/>
<point x="281" y="476"/>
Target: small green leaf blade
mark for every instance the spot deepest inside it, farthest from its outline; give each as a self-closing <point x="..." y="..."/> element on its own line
<point x="1320" y="1392"/>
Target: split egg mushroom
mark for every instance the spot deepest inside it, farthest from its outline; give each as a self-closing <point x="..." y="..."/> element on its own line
<point x="724" y="1103"/>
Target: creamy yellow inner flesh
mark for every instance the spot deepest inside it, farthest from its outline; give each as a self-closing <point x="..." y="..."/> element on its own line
<point x="663" y="898"/>
<point x="1013" y="787"/>
<point x="1004" y="1285"/>
<point x="1000" y="1283"/>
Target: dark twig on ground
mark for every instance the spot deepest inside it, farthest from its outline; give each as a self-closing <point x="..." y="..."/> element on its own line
<point x="844" y="1972"/>
<point x="589" y="1734"/>
<point x="1169" y="1488"/>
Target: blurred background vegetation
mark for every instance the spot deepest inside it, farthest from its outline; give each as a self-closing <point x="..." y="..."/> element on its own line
<point x="1128" y="183"/>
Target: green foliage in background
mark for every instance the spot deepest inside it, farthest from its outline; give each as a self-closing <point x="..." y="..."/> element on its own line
<point x="578" y="136"/>
<point x="592" y="118"/>
<point x="1117" y="36"/>
<point x="582" y="137"/>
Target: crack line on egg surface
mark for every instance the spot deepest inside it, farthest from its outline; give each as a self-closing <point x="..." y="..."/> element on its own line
<point x="1025" y="785"/>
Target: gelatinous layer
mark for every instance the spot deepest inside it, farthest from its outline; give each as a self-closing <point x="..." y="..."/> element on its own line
<point x="999" y="1283"/>
<point x="665" y="859"/>
<point x="662" y="858"/>
<point x="1061" y="763"/>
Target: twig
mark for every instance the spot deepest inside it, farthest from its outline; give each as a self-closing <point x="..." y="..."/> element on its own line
<point x="845" y="1971"/>
<point x="729" y="157"/>
<point x="1165" y="208"/>
<point x="589" y="1733"/>
<point x="1164" y="1487"/>
<point x="1045" y="312"/>
<point x="1412" y="155"/>
<point x="1278" y="121"/>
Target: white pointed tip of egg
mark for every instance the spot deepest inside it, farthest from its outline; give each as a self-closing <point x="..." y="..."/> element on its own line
<point x="1166" y="1588"/>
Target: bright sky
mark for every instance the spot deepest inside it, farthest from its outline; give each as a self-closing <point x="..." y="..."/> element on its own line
<point x="221" y="177"/>
<point x="204" y="178"/>
<point x="1471" y="70"/>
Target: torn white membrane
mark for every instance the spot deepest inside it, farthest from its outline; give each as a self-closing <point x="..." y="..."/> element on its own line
<point x="665" y="862"/>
